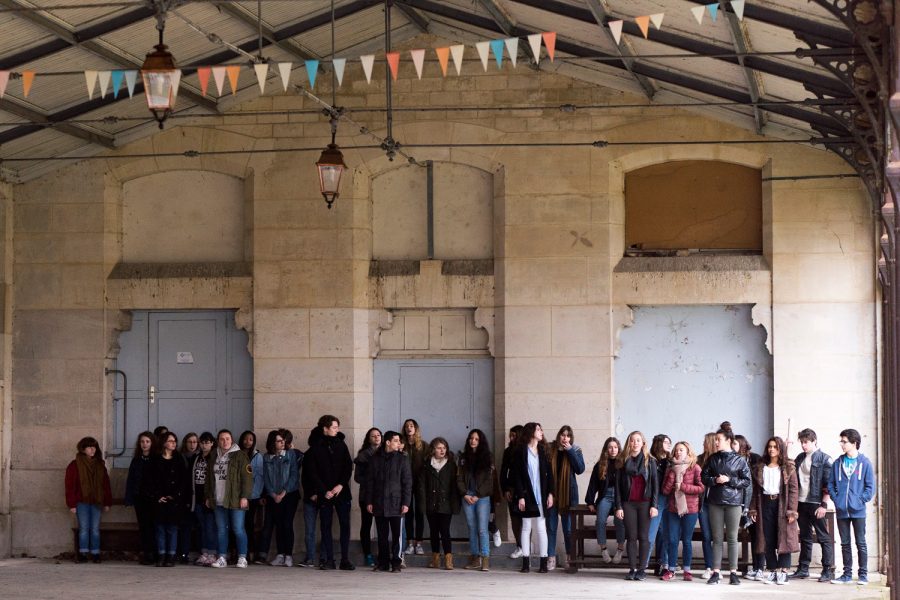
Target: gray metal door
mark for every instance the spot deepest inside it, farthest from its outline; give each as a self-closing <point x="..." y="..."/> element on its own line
<point x="189" y="371"/>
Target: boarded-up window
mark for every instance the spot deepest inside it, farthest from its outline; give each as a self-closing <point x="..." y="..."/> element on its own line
<point x="692" y="204"/>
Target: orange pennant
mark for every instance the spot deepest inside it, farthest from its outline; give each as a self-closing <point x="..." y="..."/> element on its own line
<point x="443" y="55"/>
<point x="393" y="59"/>
<point x="27" y="80"/>
<point x="203" y="76"/>
<point x="550" y="43"/>
<point x="234" y="72"/>
<point x="644" y="24"/>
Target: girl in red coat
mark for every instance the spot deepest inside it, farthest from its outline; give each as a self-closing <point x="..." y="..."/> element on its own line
<point x="683" y="487"/>
<point x="87" y="491"/>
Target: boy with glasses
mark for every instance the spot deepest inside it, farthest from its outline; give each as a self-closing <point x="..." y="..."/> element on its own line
<point x="851" y="487"/>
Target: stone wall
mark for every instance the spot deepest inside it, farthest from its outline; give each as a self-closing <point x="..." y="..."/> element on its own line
<point x="314" y="305"/>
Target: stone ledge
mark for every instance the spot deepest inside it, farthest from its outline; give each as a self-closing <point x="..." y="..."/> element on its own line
<point x="179" y="270"/>
<point x="649" y="264"/>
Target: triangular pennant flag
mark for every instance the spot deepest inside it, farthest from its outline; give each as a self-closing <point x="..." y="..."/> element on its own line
<point x="698" y="13"/>
<point x="262" y="71"/>
<point x="117" y="77"/>
<point x="657" y="20"/>
<point x="534" y="40"/>
<point x="176" y="82"/>
<point x="367" y="60"/>
<point x="203" y="76"/>
<point x="338" y="65"/>
<point x="644" y="24"/>
<point x="457" y="52"/>
<point x="713" y="11"/>
<point x="512" y="48"/>
<point x="393" y="60"/>
<point x="738" y="7"/>
<point x="615" y="27"/>
<point x="550" y="43"/>
<point x="284" y="69"/>
<point x="130" y="81"/>
<point x="483" y="49"/>
<point x="418" y="58"/>
<point x="27" y="81"/>
<point x="312" y="69"/>
<point x="4" y="80"/>
<point x="443" y="55"/>
<point x="219" y="77"/>
<point x="90" y="78"/>
<point x="497" y="48"/>
<point x="103" y="77"/>
<point x="234" y="71"/>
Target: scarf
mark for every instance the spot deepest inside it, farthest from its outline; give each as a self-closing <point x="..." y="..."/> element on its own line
<point x="634" y="465"/>
<point x="680" y="499"/>
<point x="562" y="473"/>
<point x="438" y="464"/>
<point x="91" y="476"/>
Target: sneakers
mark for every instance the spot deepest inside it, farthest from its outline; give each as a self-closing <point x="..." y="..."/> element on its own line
<point x="517" y="553"/>
<point x="707" y="574"/>
<point x="845" y="578"/>
<point x="278" y="562"/>
<point x="262" y="559"/>
<point x="686" y="575"/>
<point x="410" y="549"/>
<point x="668" y="575"/>
<point x="219" y="563"/>
<point x="733" y="578"/>
<point x="677" y="570"/>
<point x="641" y="575"/>
<point x="306" y="562"/>
<point x="769" y="578"/>
<point x="827" y="575"/>
<point x="781" y="578"/>
<point x="800" y="573"/>
<point x="497" y="539"/>
<point x="551" y="563"/>
<point x="346" y="565"/>
<point x="241" y="563"/>
<point x="370" y="560"/>
<point x="288" y="561"/>
<point x="327" y="565"/>
<point x="862" y="580"/>
<point x="631" y="574"/>
<point x="419" y="549"/>
<point x="760" y="575"/>
<point x="204" y="560"/>
<point x="750" y="574"/>
<point x="605" y="556"/>
<point x="713" y="579"/>
<point x="617" y="557"/>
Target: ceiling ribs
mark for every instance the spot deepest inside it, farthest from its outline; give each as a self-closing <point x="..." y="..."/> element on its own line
<point x="415" y="17"/>
<point x="600" y="11"/>
<point x="288" y="45"/>
<point x="742" y="46"/>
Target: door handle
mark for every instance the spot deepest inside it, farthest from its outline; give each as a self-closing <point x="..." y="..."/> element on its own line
<point x="152" y="394"/>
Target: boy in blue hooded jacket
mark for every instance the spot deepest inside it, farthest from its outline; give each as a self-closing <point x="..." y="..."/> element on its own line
<point x="851" y="487"/>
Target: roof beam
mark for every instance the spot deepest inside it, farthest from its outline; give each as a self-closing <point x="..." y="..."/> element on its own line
<point x="288" y="45"/>
<point x="500" y="16"/>
<point x="742" y="46"/>
<point x="43" y="121"/>
<point x="600" y="10"/>
<point x="415" y="17"/>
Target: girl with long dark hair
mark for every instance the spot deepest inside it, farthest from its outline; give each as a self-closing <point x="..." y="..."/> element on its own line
<point x="168" y="485"/>
<point x="709" y="448"/>
<point x="534" y="491"/>
<point x="475" y="481"/>
<point x="743" y="447"/>
<point x="601" y="498"/>
<point x="136" y="494"/>
<point x="87" y="494"/>
<point x="247" y="443"/>
<point x="661" y="450"/>
<point x="370" y="445"/>
<point x="637" y="491"/>
<point x="566" y="461"/>
<point x="417" y="452"/>
<point x="190" y="447"/>
<point x="281" y="475"/>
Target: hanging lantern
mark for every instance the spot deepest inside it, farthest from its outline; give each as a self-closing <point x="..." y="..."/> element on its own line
<point x="161" y="80"/>
<point x="331" y="166"/>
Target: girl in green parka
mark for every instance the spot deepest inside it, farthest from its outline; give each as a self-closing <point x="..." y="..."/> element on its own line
<point x="437" y="493"/>
<point x="228" y="491"/>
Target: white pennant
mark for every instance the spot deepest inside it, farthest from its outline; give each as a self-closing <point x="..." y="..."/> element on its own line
<point x="483" y="49"/>
<point x="367" y="60"/>
<point x="512" y="48"/>
<point x="738" y="7"/>
<point x="457" y="53"/>
<point x="130" y="81"/>
<point x="615" y="27"/>
<point x="284" y="70"/>
<point x="176" y="82"/>
<point x="535" y="41"/>
<point x="90" y="78"/>
<point x="262" y="70"/>
<point x="338" y="65"/>
<point x="219" y="76"/>
<point x="103" y="77"/>
<point x="698" y="13"/>
<point x="418" y="58"/>
<point x="657" y="20"/>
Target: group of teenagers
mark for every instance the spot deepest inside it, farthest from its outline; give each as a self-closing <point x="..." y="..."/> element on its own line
<point x="655" y="493"/>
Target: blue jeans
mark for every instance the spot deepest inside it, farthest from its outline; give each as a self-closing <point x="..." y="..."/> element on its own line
<point x="858" y="525"/>
<point x="706" y="531"/>
<point x="680" y="529"/>
<point x="310" y="515"/>
<point x="166" y="539"/>
<point x="207" y="520"/>
<point x="88" y="527"/>
<point x="553" y="518"/>
<point x="231" y="519"/>
<point x="658" y="535"/>
<point x="477" y="517"/>
<point x="605" y="508"/>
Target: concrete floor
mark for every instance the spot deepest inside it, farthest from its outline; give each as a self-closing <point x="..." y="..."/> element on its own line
<point x="46" y="578"/>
